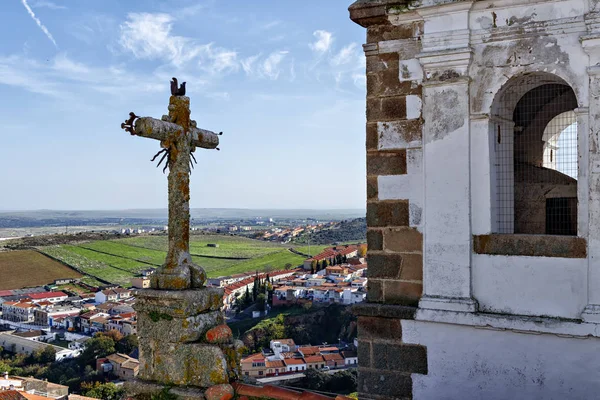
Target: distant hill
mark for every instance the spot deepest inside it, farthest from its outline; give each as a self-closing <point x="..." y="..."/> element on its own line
<point x="354" y="230"/>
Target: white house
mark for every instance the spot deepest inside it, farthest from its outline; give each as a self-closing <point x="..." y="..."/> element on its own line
<point x="294" y="364"/>
<point x="19" y="345"/>
<point x="112" y="295"/>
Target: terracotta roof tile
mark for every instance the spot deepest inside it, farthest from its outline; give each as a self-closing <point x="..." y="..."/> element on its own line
<point x="276" y="393"/>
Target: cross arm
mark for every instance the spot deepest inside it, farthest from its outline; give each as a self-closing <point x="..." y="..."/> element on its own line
<point x="160" y="130"/>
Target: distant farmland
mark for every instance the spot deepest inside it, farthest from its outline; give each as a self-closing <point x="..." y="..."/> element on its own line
<point x="25" y="268"/>
<point x="117" y="261"/>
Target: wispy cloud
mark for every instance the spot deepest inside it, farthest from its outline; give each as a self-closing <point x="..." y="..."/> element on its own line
<point x="270" y="25"/>
<point x="346" y="55"/>
<point x="248" y="64"/>
<point x="323" y="42"/>
<point x="48" y="4"/>
<point x="62" y="77"/>
<point x="39" y="23"/>
<point x="150" y="36"/>
<point x="270" y="68"/>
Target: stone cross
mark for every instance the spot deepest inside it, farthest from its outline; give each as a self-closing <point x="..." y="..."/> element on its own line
<point x="179" y="137"/>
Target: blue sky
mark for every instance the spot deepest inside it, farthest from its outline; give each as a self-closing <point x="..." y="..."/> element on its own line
<point x="284" y="81"/>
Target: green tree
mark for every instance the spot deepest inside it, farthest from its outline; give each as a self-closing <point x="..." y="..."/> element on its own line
<point x="105" y="391"/>
<point x="247" y="298"/>
<point x="128" y="344"/>
<point x="261" y="302"/>
<point x="97" y="347"/>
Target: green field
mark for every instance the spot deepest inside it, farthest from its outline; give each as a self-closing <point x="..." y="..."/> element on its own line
<point x="117" y="261"/>
<point x="313" y="250"/>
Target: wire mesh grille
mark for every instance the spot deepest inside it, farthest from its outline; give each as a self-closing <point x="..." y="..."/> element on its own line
<point x="535" y="137"/>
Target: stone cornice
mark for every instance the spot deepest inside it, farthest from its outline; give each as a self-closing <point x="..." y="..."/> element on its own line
<point x="375" y="12"/>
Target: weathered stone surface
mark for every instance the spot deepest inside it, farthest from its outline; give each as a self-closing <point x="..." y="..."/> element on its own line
<point x="379" y="328"/>
<point x="531" y="245"/>
<point x="233" y="354"/>
<point x="386" y="108"/>
<point x="142" y="390"/>
<point x="380" y="33"/>
<point x="387" y="213"/>
<point x="386" y="163"/>
<point x="400" y="357"/>
<point x="372" y="188"/>
<point x="384" y="383"/>
<point x="384" y="265"/>
<point x="219" y="334"/>
<point x="153" y="325"/>
<point x="179" y="303"/>
<point x="404" y="293"/>
<point x="374" y="290"/>
<point x="374" y="239"/>
<point x="403" y="240"/>
<point x="384" y="310"/>
<point x="412" y="267"/>
<point x="183" y="364"/>
<point x="364" y="353"/>
<point x="219" y="392"/>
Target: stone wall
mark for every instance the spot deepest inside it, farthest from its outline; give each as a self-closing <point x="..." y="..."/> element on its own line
<point x="394" y="204"/>
<point x="394" y="163"/>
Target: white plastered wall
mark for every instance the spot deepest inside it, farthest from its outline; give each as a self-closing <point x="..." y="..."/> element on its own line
<point x="469" y="362"/>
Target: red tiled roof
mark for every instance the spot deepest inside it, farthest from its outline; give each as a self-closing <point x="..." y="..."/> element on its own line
<point x="314" y="359"/>
<point x="6" y="293"/>
<point x="46" y="295"/>
<point x="331" y="348"/>
<point x="294" y="361"/>
<point x="278" y="393"/>
<point x="253" y="358"/>
<point x="333" y="357"/>
<point x="275" y="364"/>
<point x="309" y="350"/>
<point x="11" y="395"/>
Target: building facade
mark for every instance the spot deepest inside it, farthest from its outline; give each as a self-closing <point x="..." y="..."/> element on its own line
<point x="483" y="206"/>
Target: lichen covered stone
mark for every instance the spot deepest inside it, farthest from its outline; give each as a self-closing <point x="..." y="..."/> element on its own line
<point x="180" y="303"/>
<point x="219" y="392"/>
<point x="219" y="334"/>
<point x="182" y="364"/>
<point x="152" y="325"/>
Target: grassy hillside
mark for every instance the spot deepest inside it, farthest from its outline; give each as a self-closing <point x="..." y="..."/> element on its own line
<point x="117" y="261"/>
<point x="27" y="268"/>
<point x="346" y="231"/>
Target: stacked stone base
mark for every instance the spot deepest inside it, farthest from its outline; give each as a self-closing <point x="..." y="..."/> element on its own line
<point x="386" y="361"/>
<point x="185" y="347"/>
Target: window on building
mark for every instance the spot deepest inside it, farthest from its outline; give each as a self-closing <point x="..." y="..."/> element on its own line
<point x="534" y="132"/>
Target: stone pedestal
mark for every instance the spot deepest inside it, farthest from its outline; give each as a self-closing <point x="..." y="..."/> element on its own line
<point x="184" y="342"/>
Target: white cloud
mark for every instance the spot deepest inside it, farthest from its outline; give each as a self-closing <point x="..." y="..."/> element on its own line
<point x="148" y="36"/>
<point x="270" y="67"/>
<point x="63" y="77"/>
<point x="217" y="60"/>
<point x="323" y="42"/>
<point x="39" y="23"/>
<point x="48" y="4"/>
<point x="346" y="55"/>
<point x="248" y="64"/>
<point x="270" y="25"/>
<point x="292" y="72"/>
